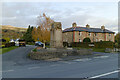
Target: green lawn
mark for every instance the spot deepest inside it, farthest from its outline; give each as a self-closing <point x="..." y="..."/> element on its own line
<point x="98" y="49"/>
<point x="4" y="50"/>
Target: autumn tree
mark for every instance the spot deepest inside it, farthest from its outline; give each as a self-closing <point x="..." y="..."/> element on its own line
<point x="117" y="39"/>
<point x="42" y="32"/>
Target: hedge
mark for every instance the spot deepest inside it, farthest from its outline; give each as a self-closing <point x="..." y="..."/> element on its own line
<point x="9" y="44"/>
<point x="80" y="44"/>
<point x="102" y="44"/>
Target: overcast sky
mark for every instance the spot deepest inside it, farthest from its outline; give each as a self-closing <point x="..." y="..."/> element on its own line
<point x="96" y="14"/>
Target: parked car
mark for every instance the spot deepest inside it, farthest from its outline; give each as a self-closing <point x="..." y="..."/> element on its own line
<point x="38" y="43"/>
<point x="22" y="42"/>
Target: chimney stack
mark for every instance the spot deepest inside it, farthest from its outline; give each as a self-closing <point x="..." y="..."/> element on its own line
<point x="103" y="27"/>
<point x="87" y="26"/>
<point x="74" y="25"/>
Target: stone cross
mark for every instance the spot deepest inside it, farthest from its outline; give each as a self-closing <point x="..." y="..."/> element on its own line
<point x="56" y="40"/>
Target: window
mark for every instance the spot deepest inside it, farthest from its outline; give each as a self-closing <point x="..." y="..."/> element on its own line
<point x="109" y="34"/>
<point x="79" y="33"/>
<point x="80" y="40"/>
<point x="89" y="34"/>
<point x="95" y="34"/>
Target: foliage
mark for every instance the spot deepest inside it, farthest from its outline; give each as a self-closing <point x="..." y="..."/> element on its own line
<point x="31" y="43"/>
<point x="80" y="44"/>
<point x="102" y="44"/>
<point x="117" y="40"/>
<point x="42" y="32"/>
<point x="7" y="39"/>
<point x="34" y="50"/>
<point x="28" y="35"/>
<point x="87" y="40"/>
<point x="12" y="32"/>
<point x="9" y="44"/>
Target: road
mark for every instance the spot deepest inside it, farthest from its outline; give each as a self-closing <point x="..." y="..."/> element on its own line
<point x="16" y="64"/>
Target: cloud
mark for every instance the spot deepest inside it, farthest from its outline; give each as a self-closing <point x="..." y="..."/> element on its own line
<point x="21" y="14"/>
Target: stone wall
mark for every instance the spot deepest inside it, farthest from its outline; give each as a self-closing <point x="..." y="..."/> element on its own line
<point x="45" y="54"/>
<point x="70" y="37"/>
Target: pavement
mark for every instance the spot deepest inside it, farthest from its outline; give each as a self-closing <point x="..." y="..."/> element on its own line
<point x="16" y="64"/>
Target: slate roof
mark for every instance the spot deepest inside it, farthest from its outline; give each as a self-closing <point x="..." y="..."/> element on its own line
<point x="97" y="30"/>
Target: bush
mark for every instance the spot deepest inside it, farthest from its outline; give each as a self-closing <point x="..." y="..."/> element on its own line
<point x="104" y="44"/>
<point x="9" y="44"/>
<point x="34" y="50"/>
<point x="87" y="40"/>
<point x="80" y="44"/>
<point x="31" y="43"/>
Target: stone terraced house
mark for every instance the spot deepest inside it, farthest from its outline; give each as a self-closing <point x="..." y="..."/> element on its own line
<point x="78" y="34"/>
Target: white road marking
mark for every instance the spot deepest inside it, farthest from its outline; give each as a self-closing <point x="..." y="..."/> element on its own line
<point x="105" y="74"/>
<point x="33" y="67"/>
<point x="54" y="65"/>
<point x="102" y="57"/>
<point x="7" y="71"/>
<point x="66" y="62"/>
<point x="86" y="59"/>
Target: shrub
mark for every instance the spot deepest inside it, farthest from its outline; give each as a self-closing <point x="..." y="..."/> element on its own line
<point x="80" y="44"/>
<point x="104" y="44"/>
<point x="34" y="50"/>
<point x="9" y="44"/>
<point x="31" y="43"/>
<point x="87" y="40"/>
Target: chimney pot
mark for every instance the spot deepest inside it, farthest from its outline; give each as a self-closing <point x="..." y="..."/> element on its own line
<point x="87" y="26"/>
<point x="74" y="25"/>
<point x="103" y="27"/>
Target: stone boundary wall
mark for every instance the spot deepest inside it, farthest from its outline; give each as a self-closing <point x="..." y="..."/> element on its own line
<point x="112" y="50"/>
<point x="45" y="54"/>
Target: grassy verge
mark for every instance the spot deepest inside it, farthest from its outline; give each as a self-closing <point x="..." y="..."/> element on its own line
<point x="4" y="50"/>
<point x="98" y="49"/>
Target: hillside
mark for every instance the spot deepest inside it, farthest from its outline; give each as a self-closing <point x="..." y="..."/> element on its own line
<point x="12" y="32"/>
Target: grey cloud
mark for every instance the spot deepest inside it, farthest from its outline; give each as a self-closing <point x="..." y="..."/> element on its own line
<point x="23" y="14"/>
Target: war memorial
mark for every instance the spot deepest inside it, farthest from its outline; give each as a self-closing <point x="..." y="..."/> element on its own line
<point x="56" y="49"/>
